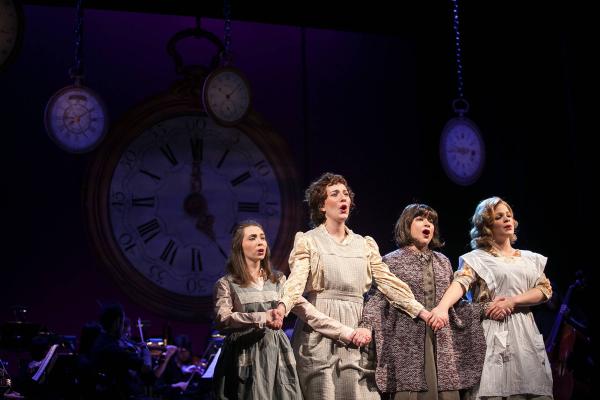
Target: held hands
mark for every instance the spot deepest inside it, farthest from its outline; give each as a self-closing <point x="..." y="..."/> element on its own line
<point x="274" y="319"/>
<point x="438" y="318"/>
<point x="360" y="337"/>
<point x="500" y="308"/>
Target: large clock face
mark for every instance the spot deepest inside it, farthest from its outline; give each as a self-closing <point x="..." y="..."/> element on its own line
<point x="166" y="188"/>
<point x="178" y="190"/>
<point x="462" y="151"/>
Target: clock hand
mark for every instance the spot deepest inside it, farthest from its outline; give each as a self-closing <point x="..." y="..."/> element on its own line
<point x="460" y="150"/>
<point x="195" y="203"/>
<point x="234" y="90"/>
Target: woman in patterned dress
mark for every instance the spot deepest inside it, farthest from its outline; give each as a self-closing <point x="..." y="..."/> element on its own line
<point x="413" y="362"/>
<point x="336" y="267"/>
<point x="516" y="365"/>
<point x="257" y="361"/>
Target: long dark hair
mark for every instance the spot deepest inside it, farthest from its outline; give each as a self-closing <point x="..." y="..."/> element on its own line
<point x="236" y="263"/>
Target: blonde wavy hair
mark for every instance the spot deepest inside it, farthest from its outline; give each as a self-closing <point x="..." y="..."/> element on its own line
<point x="483" y="220"/>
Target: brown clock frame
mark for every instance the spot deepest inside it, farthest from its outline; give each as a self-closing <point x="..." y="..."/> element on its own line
<point x="19" y="39"/>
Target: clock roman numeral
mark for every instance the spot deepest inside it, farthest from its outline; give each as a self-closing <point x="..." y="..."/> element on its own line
<point x="156" y="178"/>
<point x="169" y="253"/>
<point x="222" y="158"/>
<point x="149" y="230"/>
<point x="196" y="260"/>
<point x="197" y="145"/>
<point x="242" y="178"/>
<point x="248" y="207"/>
<point x="168" y="153"/>
<point x="143" y="201"/>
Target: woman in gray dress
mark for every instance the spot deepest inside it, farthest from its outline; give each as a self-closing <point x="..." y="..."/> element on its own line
<point x="257" y="361"/>
<point x="516" y="365"/>
<point x="336" y="267"/>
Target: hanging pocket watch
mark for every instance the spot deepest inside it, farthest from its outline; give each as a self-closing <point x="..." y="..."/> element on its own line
<point x="76" y="118"/>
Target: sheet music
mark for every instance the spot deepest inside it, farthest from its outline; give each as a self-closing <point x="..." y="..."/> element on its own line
<point x="38" y="375"/>
<point x="210" y="371"/>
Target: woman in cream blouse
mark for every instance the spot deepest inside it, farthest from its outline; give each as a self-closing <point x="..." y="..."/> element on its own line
<point x="336" y="266"/>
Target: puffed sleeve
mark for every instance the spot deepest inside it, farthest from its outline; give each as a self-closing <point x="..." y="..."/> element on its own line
<point x="397" y="292"/>
<point x="226" y="317"/>
<point x="465" y="276"/>
<point x="300" y="267"/>
<point x="543" y="284"/>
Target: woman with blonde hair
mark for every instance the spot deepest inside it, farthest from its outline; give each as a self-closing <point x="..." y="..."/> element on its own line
<point x="516" y="365"/>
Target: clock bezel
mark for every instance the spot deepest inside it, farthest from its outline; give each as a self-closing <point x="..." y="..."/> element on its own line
<point x="12" y="56"/>
<point x="97" y="197"/>
<point x="49" y="113"/>
<point x="450" y="172"/>
<point x="205" y="101"/>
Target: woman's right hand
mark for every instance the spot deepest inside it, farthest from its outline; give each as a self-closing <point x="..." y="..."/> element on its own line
<point x="499" y="308"/>
<point x="274" y="320"/>
<point x="438" y="318"/>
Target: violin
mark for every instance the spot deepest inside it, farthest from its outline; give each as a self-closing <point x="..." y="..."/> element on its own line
<point x="191" y="369"/>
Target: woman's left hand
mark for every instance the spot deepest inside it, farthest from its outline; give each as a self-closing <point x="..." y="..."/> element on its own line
<point x="500" y="308"/>
<point x="361" y="337"/>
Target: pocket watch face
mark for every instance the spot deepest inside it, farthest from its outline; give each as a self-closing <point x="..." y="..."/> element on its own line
<point x="462" y="151"/>
<point x="75" y="119"/>
<point x="226" y="95"/>
<point x="177" y="192"/>
<point x="11" y="22"/>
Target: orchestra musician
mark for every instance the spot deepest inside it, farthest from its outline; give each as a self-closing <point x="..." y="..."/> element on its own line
<point x="118" y="365"/>
<point x="178" y="373"/>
